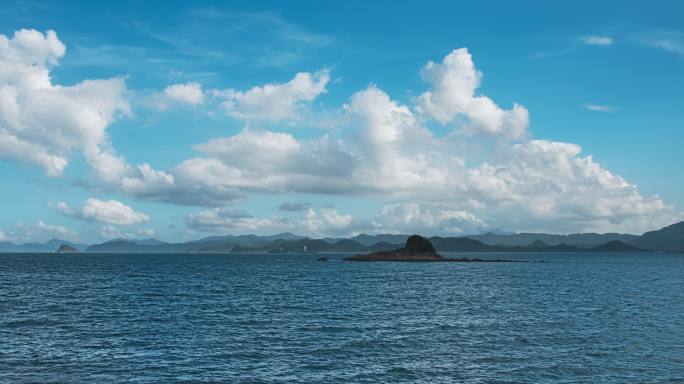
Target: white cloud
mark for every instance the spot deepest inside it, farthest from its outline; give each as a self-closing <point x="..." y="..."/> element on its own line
<point x="109" y="212"/>
<point x="275" y="102"/>
<point x="432" y="218"/>
<point x="38" y="232"/>
<point x="382" y="150"/>
<point x="178" y="94"/>
<point x="323" y="222"/>
<point x="41" y="122"/>
<point x="600" y="108"/>
<point x="597" y="40"/>
<point x="42" y="231"/>
<point x="550" y="185"/>
<point x="541" y="184"/>
<point x="429" y="218"/>
<point x="189" y="93"/>
<point x="54" y="229"/>
<point x="454" y="82"/>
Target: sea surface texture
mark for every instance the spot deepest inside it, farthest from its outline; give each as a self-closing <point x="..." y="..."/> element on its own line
<point x="288" y="318"/>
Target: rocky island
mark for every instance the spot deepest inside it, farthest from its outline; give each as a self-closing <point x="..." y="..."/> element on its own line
<point x="417" y="249"/>
<point x="66" y="248"/>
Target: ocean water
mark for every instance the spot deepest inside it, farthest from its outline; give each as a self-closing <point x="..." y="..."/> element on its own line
<point x="287" y="318"/>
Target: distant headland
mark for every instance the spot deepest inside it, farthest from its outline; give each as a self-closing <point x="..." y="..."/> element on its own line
<point x="669" y="239"/>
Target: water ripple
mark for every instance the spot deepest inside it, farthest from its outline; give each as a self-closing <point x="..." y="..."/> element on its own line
<point x="277" y="318"/>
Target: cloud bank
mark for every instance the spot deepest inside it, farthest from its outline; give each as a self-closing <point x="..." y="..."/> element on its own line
<point x="108" y="212"/>
<point x="486" y="172"/>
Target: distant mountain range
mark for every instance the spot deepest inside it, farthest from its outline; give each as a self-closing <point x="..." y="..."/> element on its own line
<point x="48" y="246"/>
<point x="668" y="239"/>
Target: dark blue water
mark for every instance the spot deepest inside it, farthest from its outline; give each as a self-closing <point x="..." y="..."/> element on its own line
<point x="288" y="318"/>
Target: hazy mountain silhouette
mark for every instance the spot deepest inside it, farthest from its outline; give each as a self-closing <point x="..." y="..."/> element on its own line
<point x="616" y="246"/>
<point x="578" y="239"/>
<point x="46" y="247"/>
<point x="668" y="239"/>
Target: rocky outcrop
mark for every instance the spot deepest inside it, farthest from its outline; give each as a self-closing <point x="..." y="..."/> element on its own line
<point x="417" y="249"/>
<point x="66" y="248"/>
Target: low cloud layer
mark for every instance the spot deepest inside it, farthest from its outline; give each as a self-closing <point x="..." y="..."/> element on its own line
<point x="109" y="212"/>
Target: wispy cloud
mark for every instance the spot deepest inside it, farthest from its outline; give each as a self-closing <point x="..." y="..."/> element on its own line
<point x="257" y="38"/>
<point x="670" y="41"/>
<point x="600" y="108"/>
<point x="597" y="40"/>
<point x="573" y="44"/>
<point x="200" y="44"/>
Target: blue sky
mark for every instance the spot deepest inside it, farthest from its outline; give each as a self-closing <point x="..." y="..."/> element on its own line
<point x="179" y="120"/>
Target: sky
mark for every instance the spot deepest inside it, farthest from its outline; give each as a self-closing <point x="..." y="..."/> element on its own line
<point x="179" y="120"/>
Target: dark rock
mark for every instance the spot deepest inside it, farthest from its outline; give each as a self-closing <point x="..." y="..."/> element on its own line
<point x="417" y="248"/>
<point x="66" y="248"/>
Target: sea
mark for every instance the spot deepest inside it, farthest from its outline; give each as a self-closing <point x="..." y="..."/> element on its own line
<point x="289" y="318"/>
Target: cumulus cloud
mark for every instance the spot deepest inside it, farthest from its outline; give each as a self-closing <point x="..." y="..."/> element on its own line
<point x="551" y="185"/>
<point x="277" y="101"/>
<point x="383" y="150"/>
<point x="388" y="153"/>
<point x="109" y="212"/>
<point x="542" y="183"/>
<point x="42" y="122"/>
<point x="452" y="96"/>
<point x="597" y="40"/>
<point x="433" y="218"/>
<point x="179" y="94"/>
